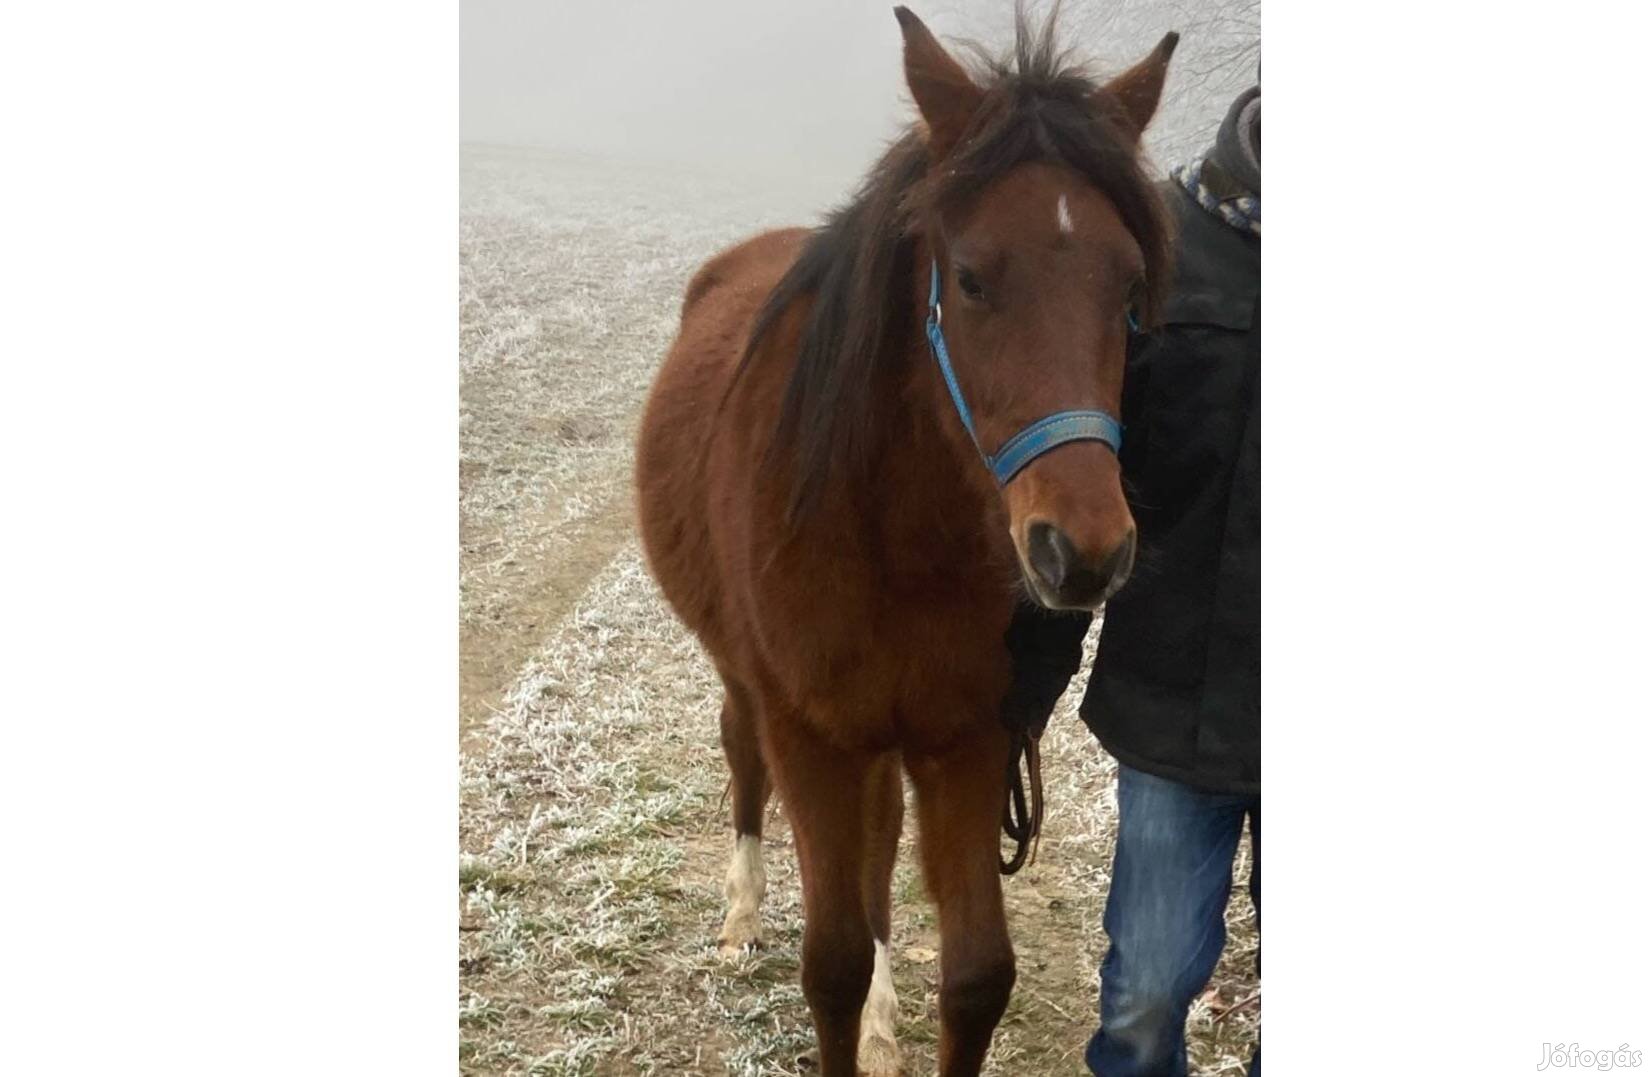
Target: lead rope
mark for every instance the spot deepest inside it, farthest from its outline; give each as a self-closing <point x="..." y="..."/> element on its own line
<point x="1022" y="826"/>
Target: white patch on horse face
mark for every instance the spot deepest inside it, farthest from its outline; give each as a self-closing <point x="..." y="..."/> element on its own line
<point x="1063" y="216"/>
<point x="879" y="1056"/>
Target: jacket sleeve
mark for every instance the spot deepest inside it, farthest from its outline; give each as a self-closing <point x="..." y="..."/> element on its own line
<point x="1046" y="649"/>
<point x="1137" y="381"/>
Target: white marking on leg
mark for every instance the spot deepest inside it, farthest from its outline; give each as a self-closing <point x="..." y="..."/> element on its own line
<point x="879" y="1055"/>
<point x="1063" y="216"/>
<point x="744" y="888"/>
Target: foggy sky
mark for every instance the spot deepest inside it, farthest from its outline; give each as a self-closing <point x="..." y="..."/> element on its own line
<point x="791" y="86"/>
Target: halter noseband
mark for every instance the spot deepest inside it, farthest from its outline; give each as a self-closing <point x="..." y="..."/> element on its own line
<point x="1033" y="441"/>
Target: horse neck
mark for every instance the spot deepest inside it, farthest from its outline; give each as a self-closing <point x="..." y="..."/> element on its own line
<point x="938" y="511"/>
<point x="924" y="513"/>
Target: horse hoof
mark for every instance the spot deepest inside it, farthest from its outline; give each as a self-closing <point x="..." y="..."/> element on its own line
<point x="739" y="937"/>
<point x="878" y="1057"/>
<point x="734" y="949"/>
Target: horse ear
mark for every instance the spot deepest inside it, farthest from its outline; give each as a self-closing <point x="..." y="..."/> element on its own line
<point x="944" y="93"/>
<point x="1137" y="90"/>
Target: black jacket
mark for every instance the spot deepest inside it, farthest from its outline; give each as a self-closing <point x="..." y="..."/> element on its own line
<point x="1176" y="689"/>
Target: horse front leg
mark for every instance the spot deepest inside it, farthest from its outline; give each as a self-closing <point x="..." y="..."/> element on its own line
<point x="959" y="801"/>
<point x="824" y="792"/>
<point x="879" y="1053"/>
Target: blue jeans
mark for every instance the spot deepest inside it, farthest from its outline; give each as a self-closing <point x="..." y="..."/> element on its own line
<point x="1171" y="876"/>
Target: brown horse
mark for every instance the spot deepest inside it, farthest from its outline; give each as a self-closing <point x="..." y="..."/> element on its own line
<point x="816" y="510"/>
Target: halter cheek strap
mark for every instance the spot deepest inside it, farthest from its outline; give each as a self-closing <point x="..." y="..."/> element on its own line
<point x="1033" y="441"/>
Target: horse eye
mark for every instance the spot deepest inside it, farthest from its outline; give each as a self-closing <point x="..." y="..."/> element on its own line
<point x="970" y="284"/>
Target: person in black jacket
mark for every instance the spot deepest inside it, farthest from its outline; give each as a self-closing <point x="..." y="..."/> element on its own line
<point x="1175" y="694"/>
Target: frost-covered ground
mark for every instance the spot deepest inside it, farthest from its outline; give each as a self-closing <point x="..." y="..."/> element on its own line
<point x="570" y="279"/>
<point x="593" y="834"/>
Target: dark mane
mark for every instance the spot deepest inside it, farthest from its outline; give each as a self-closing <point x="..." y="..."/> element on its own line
<point x="857" y="266"/>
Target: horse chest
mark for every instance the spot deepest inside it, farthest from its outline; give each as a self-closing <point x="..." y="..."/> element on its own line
<point x="911" y="669"/>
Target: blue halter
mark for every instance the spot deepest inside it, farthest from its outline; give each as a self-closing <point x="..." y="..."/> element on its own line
<point x="1035" y="440"/>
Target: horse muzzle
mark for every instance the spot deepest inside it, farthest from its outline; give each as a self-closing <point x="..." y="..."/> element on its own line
<point x="1062" y="577"/>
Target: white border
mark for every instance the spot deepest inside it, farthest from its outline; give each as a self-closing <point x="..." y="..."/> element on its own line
<point x="229" y="436"/>
<point x="1455" y="549"/>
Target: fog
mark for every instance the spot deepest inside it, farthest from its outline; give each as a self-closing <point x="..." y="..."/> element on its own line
<point x="802" y="87"/>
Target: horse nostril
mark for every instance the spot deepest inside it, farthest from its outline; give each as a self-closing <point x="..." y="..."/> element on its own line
<point x="1069" y="577"/>
<point x="1119" y="565"/>
<point x="1051" y="554"/>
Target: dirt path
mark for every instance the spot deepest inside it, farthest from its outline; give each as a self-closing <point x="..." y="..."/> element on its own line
<point x="571" y="273"/>
<point x="493" y="652"/>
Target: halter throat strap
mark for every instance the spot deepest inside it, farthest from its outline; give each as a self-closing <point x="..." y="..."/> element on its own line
<point x="1031" y="442"/>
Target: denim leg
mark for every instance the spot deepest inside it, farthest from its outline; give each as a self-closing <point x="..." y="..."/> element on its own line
<point x="1171" y="876"/>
